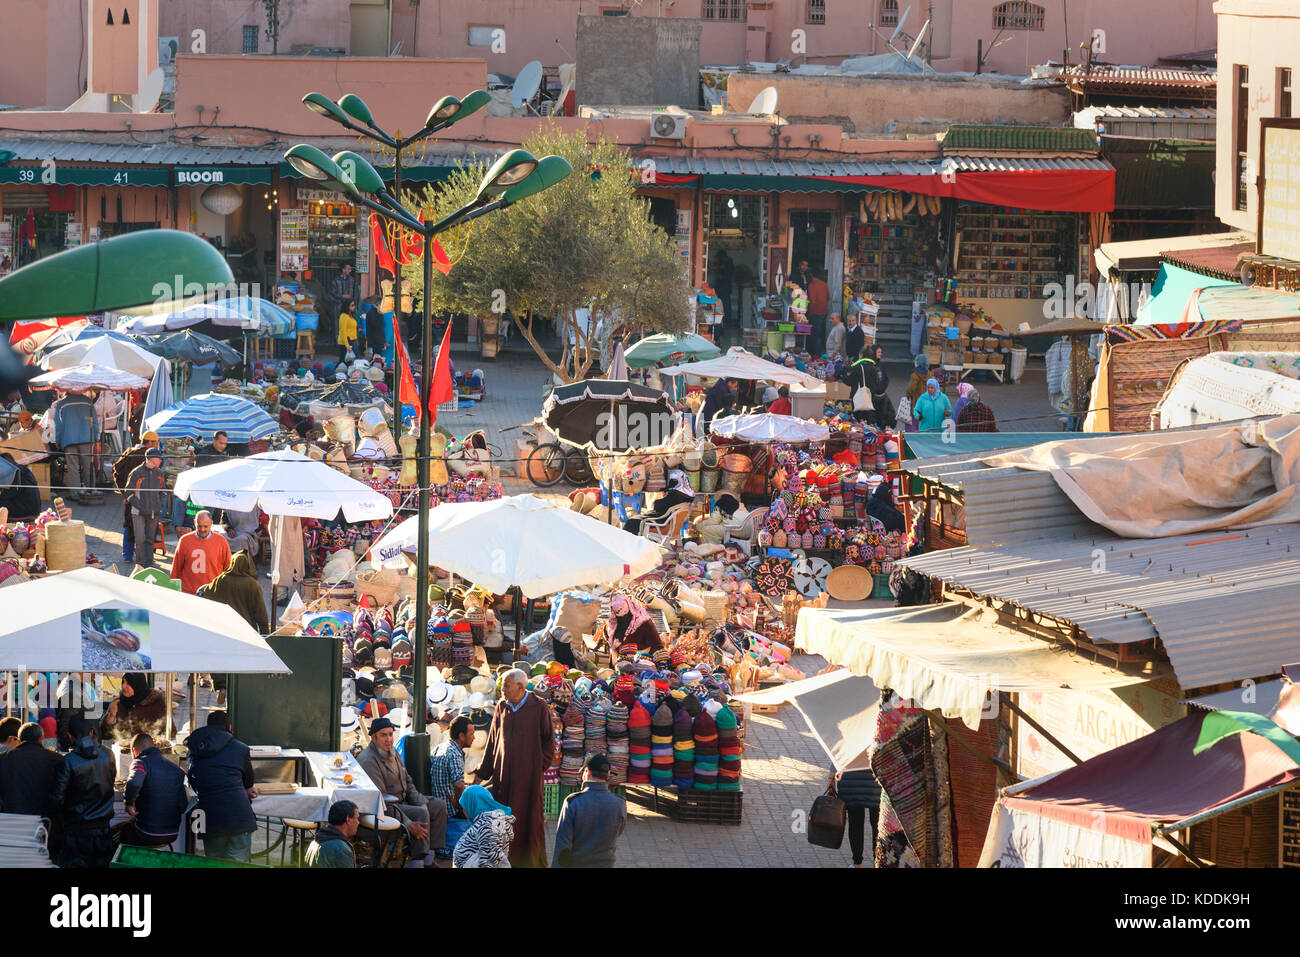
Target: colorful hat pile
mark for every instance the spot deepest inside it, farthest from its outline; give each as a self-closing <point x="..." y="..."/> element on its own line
<point x="594" y="741"/>
<point x="638" y="744"/>
<point x="616" y="735"/>
<point x="440" y="642"/>
<point x="661" y="746"/>
<point x="462" y="643"/>
<point x="552" y="773"/>
<point x="683" y="749"/>
<point x="705" y="732"/>
<point x="571" y="753"/>
<point x="729" y="750"/>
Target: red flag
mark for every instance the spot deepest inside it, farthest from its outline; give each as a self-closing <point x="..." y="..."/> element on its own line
<point x="441" y="261"/>
<point x="383" y="258"/>
<point x="444" y="389"/>
<point x="406" y="391"/>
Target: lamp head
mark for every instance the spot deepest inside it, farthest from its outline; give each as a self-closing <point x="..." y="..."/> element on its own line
<point x="322" y="104"/>
<point x="549" y="171"/>
<point x="442" y="111"/>
<point x="472" y="103"/>
<point x="358" y="169"/>
<point x="355" y="107"/>
<point x="510" y="170"/>
<point x="314" y="164"/>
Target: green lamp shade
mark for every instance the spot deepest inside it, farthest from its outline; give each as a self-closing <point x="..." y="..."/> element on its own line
<point x="356" y="108"/>
<point x="311" y="162"/>
<point x="443" y="111"/>
<point x="119" y="273"/>
<point x="508" y="171"/>
<point x="322" y="104"/>
<point x="472" y="103"/>
<point x="549" y="171"/>
<point x="359" y="170"/>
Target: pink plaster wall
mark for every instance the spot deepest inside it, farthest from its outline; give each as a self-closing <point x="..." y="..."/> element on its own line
<point x="321" y="23"/>
<point x="41" y="66"/>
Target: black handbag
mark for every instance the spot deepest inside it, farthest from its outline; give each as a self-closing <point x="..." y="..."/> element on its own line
<point x="826" y="820"/>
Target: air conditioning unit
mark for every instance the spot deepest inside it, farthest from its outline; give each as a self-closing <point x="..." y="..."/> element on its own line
<point x="668" y="126"/>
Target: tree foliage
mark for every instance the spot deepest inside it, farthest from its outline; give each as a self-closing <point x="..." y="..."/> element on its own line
<point x="588" y="241"/>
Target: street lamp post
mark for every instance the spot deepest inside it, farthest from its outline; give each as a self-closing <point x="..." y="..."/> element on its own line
<point x="515" y="176"/>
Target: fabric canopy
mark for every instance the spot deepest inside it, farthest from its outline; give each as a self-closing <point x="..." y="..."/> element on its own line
<point x="664" y="347"/>
<point x="1171" y="292"/>
<point x="185" y="633"/>
<point x="202" y="416"/>
<point x="523" y="541"/>
<point x="840" y="709"/>
<point x="283" y="482"/>
<point x="84" y="377"/>
<point x="768" y="427"/>
<point x="248" y="313"/>
<point x="1056" y="190"/>
<point x="106" y="351"/>
<point x="606" y="412"/>
<point x="948" y="657"/>
<point x="1103" y="811"/>
<point x="1158" y="484"/>
<point x="1227" y="386"/>
<point x="26" y="337"/>
<point x="739" y="363"/>
<point x="190" y="346"/>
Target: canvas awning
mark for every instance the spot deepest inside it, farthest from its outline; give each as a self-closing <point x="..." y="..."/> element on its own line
<point x="950" y="657"/>
<point x="1105" y="811"/>
<point x="739" y="363"/>
<point x="840" y="709"/>
<point x="1145" y="255"/>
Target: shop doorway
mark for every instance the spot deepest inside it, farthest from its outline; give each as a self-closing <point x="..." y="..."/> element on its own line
<point x="810" y="238"/>
<point x="735" y="228"/>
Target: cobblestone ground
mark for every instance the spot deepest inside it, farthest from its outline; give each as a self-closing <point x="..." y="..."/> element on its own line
<point x="784" y="768"/>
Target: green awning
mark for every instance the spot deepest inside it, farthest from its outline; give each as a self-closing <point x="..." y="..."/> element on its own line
<point x="1170" y="292"/>
<point x="86" y="176"/>
<point x="778" y="184"/>
<point x="922" y="445"/>
<point x="216" y="175"/>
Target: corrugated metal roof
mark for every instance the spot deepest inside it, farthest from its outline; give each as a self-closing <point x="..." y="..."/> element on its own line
<point x="990" y="137"/>
<point x="70" y="151"/>
<point x="1022" y="163"/>
<point x="1223" y="606"/>
<point x="1154" y="112"/>
<point x="1157" y="77"/>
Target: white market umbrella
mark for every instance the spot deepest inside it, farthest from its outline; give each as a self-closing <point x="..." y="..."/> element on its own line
<point x="769" y="427"/>
<point x="105" y="351"/>
<point x="617" y="365"/>
<point x="79" y="378"/>
<point x="182" y="633"/>
<point x="283" y="482"/>
<point x="522" y="541"/>
<point x="740" y="363"/>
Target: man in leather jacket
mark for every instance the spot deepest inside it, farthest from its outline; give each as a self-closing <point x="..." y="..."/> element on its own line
<point x="84" y="789"/>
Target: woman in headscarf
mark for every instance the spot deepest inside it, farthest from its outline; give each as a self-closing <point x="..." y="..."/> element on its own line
<point x="679" y="492"/>
<point x="975" y="416"/>
<point x="138" y="707"/>
<point x="630" y="623"/>
<point x="932" y="408"/>
<point x="916" y="385"/>
<point x="239" y="588"/>
<point x="486" y="843"/>
<point x="885" y="411"/>
<point x="964" y="390"/>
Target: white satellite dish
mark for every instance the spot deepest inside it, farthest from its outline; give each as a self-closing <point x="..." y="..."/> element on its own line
<point x="150" y="90"/>
<point x="920" y="37"/>
<point x="526" y="85"/>
<point x="899" y="29"/>
<point x="765" y="103"/>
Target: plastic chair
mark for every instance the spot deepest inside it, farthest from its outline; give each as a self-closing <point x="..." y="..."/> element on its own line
<point x="663" y="531"/>
<point x="622" y="502"/>
<point x="753" y="522"/>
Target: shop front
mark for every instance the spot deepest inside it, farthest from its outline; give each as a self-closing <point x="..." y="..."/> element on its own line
<point x="233" y="207"/>
<point x="735" y="250"/>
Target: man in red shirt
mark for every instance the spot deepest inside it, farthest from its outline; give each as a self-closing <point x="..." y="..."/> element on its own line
<point x="201" y="555"/>
<point x="819" y="300"/>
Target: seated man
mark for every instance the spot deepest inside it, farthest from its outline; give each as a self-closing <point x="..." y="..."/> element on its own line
<point x="425" y="818"/>
<point x="155" y="797"/>
<point x="447" y="771"/>
<point x="19" y="492"/>
<point x="332" y="844"/>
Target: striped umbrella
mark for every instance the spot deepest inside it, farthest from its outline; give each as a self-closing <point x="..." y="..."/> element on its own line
<point x="202" y="416"/>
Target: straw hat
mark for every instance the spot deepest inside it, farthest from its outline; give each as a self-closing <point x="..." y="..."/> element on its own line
<point x="850" y="583"/>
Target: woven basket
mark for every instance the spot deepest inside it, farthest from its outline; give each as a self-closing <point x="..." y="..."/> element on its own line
<point x="709" y="479"/>
<point x="65" y="546"/>
<point x="381" y="584"/>
<point x="715" y="604"/>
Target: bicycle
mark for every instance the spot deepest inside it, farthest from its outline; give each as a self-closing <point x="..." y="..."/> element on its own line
<point x="550" y="463"/>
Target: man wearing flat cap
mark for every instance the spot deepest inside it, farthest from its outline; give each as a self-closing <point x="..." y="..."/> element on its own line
<point x="146" y="494"/>
<point x="425" y="818"/>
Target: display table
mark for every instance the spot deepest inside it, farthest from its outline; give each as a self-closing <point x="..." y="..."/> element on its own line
<point x="998" y="370"/>
<point x="361" y="792"/>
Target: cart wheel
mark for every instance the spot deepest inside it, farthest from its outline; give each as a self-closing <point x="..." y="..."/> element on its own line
<point x="546" y="464"/>
<point x="576" y="468"/>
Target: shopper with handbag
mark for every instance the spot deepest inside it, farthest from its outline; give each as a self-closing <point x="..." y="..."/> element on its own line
<point x="860" y="793"/>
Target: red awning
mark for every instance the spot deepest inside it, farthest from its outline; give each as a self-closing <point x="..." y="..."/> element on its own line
<point x="1157" y="779"/>
<point x="1054" y="190"/>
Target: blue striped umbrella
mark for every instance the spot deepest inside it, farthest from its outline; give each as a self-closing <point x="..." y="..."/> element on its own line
<point x="202" y="416"/>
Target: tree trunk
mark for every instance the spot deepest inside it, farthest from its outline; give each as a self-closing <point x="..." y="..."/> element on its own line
<point x="526" y="327"/>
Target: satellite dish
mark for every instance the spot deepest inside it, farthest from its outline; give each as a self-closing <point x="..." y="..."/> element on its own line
<point x="526" y="85"/>
<point x="899" y="29"/>
<point x="765" y="103"/>
<point x="920" y="37"/>
<point x="150" y="90"/>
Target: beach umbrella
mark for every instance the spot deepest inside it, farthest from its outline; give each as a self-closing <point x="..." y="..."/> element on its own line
<point x="234" y="314"/>
<point x="88" y="376"/>
<point x="522" y="541"/>
<point x="27" y="337"/>
<point x="283" y="482"/>
<point x="665" y="347"/>
<point x="191" y="346"/>
<point x="104" y="351"/>
<point x="617" y="365"/>
<point x="202" y="416"/>
<point x="595" y="410"/>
